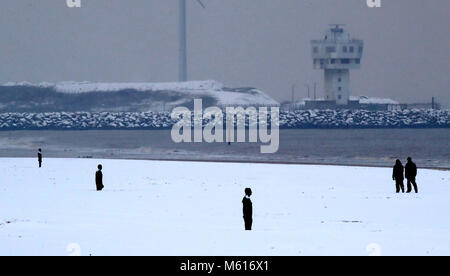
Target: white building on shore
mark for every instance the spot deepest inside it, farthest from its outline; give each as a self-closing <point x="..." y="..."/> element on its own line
<point x="336" y="53"/>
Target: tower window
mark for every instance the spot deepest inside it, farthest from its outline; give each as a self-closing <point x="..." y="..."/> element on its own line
<point x="344" y="49"/>
<point x="360" y="49"/>
<point x="352" y="49"/>
<point x="340" y="97"/>
<point x="316" y="50"/>
<point x="358" y="61"/>
<point x="340" y="89"/>
<point x="345" y="61"/>
<point x="333" y="61"/>
<point x="331" y="49"/>
<point x="340" y="79"/>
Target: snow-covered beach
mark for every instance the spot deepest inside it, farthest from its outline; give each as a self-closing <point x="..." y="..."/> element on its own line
<point x="194" y="208"/>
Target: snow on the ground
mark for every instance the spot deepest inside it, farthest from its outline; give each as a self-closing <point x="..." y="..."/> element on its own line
<point x="360" y="99"/>
<point x="198" y="89"/>
<point x="176" y="208"/>
<point x="373" y="100"/>
<point x="86" y="86"/>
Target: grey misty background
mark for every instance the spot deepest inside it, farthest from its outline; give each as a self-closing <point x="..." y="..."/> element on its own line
<point x="259" y="43"/>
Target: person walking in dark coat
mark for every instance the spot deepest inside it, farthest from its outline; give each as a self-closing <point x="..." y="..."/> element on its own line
<point x="99" y="178"/>
<point x="248" y="209"/>
<point x="410" y="174"/>
<point x="397" y="175"/>
<point x="40" y="157"/>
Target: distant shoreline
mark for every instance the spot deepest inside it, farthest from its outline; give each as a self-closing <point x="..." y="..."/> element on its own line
<point x="349" y="147"/>
<point x="281" y="128"/>
<point x="235" y="161"/>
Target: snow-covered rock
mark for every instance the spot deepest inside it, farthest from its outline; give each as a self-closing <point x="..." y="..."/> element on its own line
<point x="298" y="119"/>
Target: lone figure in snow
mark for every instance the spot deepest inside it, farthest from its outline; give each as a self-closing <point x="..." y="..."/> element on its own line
<point x="397" y="175"/>
<point x="411" y="173"/>
<point x="248" y="209"/>
<point x="99" y="178"/>
<point x="40" y="157"/>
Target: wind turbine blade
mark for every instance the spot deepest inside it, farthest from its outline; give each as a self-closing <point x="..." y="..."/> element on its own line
<point x="201" y="4"/>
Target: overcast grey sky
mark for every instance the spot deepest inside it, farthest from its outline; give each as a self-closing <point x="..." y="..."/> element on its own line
<point x="260" y="43"/>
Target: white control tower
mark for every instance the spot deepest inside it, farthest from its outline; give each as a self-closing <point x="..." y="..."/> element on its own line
<point x="336" y="54"/>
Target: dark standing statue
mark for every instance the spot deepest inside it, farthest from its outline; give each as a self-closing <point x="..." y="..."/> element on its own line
<point x="411" y="173"/>
<point x="248" y="209"/>
<point x="99" y="178"/>
<point x="40" y="157"/>
<point x="397" y="175"/>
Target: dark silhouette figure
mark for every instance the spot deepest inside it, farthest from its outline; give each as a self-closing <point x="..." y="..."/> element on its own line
<point x="248" y="209"/>
<point x="397" y="175"/>
<point x="410" y="174"/>
<point x="40" y="157"/>
<point x="99" y="178"/>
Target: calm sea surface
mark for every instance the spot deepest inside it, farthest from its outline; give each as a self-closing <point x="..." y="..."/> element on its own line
<point x="374" y="147"/>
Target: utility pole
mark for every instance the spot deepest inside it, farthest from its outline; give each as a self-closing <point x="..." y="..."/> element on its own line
<point x="182" y="71"/>
<point x="183" y="60"/>
<point x="293" y="93"/>
<point x="315" y="95"/>
<point x="307" y="86"/>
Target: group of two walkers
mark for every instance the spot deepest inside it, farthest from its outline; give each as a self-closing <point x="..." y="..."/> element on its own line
<point x="409" y="172"/>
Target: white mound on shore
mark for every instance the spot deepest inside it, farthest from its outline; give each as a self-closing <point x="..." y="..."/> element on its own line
<point x="214" y="89"/>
